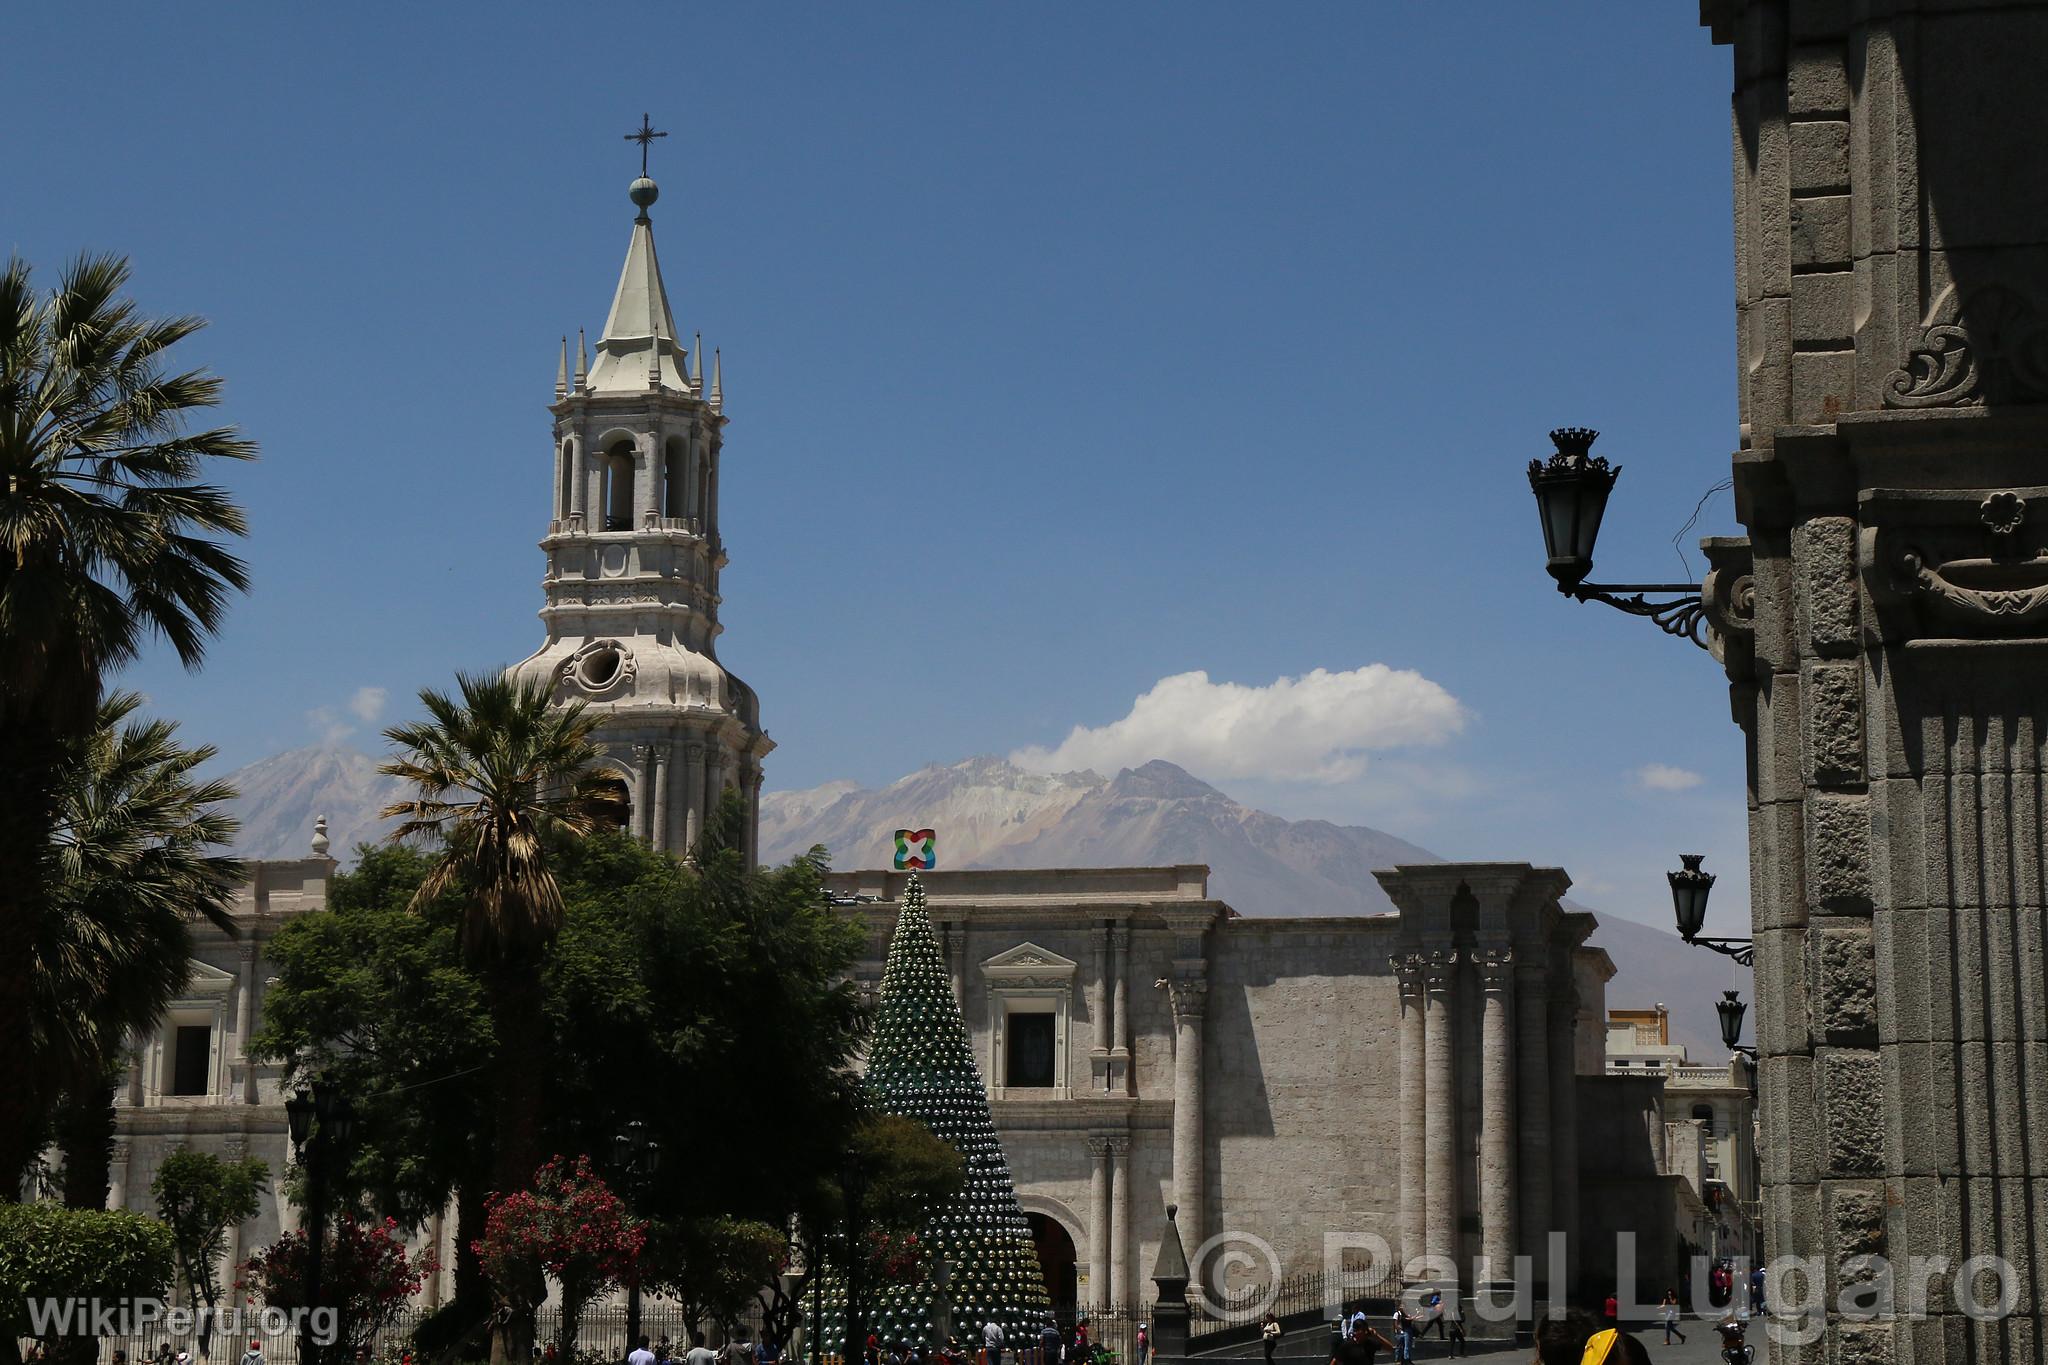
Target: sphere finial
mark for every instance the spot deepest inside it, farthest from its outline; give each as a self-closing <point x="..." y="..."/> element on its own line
<point x="643" y="192"/>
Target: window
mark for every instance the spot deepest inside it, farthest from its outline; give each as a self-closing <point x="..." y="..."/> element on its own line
<point x="1705" y="1114"/>
<point x="618" y="487"/>
<point x="191" y="1059"/>
<point x="1029" y="1048"/>
<point x="568" y="501"/>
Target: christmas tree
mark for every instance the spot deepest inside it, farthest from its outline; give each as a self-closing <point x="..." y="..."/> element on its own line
<point x="920" y="1065"/>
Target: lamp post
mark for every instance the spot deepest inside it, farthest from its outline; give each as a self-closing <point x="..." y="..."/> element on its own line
<point x="321" y="1121"/>
<point x="637" y="1158"/>
<point x="1689" y="888"/>
<point x="1571" y="489"/>
<point x="1731" y="1009"/>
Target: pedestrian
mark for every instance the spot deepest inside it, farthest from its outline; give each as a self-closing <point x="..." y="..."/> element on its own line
<point x="640" y="1355"/>
<point x="1756" y="1290"/>
<point x="699" y="1353"/>
<point x="1359" y="1346"/>
<point x="1671" y="1317"/>
<point x="992" y="1343"/>
<point x="739" y="1349"/>
<point x="1144" y="1349"/>
<point x="1612" y="1346"/>
<point x="1434" y="1317"/>
<point x="1456" y="1320"/>
<point x="1269" y="1335"/>
<point x="1610" y="1311"/>
<point x="1084" y="1346"/>
<point x="767" y="1351"/>
<point x="1404" y="1334"/>
<point x="120" y="1357"/>
<point x="254" y="1355"/>
<point x="1049" y="1344"/>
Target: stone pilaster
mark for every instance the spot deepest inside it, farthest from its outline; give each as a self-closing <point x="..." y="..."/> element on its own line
<point x="1440" y="1112"/>
<point x="1190" y="998"/>
<point x="1564" y="1124"/>
<point x="1099" y="1292"/>
<point x="245" y="1014"/>
<point x="1496" y="1115"/>
<point x="658" y="775"/>
<point x="643" y="806"/>
<point x="1414" y="1197"/>
<point x="1121" y="1076"/>
<point x="117" y="1174"/>
<point x="1118" y="1291"/>
<point x="1098" y="1011"/>
<point x="693" y="793"/>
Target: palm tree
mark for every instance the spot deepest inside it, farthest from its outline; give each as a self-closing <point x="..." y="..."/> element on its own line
<point x="495" y="770"/>
<point x="137" y="858"/>
<point x="106" y="538"/>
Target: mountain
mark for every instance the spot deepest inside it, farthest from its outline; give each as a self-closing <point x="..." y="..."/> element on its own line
<point x="282" y="795"/>
<point x="990" y="813"/>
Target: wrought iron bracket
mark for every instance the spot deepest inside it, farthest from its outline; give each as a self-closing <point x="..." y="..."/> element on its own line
<point x="1684" y="616"/>
<point x="1743" y="950"/>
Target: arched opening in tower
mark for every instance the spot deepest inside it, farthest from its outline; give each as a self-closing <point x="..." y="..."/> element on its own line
<point x="1056" y="1261"/>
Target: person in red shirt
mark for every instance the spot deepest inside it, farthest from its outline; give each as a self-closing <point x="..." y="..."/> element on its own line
<point x="1610" y="1311"/>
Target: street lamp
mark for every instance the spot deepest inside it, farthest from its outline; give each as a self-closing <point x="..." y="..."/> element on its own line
<point x="1689" y="888"/>
<point x="321" y="1122"/>
<point x="637" y="1158"/>
<point x="1731" y="1009"/>
<point x="1571" y="489"/>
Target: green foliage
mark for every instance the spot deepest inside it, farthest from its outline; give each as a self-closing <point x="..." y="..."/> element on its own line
<point x="713" y="1267"/>
<point x="48" y="1252"/>
<point x="199" y="1197"/>
<point x="907" y="1171"/>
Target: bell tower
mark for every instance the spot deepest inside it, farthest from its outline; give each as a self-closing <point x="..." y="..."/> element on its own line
<point x="633" y="557"/>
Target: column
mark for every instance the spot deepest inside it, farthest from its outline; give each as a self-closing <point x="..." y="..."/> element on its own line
<point x="234" y="1250"/>
<point x="1118" y="1291"/>
<point x="657" y="763"/>
<point x="1497" y="1116"/>
<point x="1439" y="1113"/>
<point x="1564" y="1127"/>
<point x="693" y="794"/>
<point x="579" y="479"/>
<point x="643" y="809"/>
<point x="750" y="788"/>
<point x="1532" y="1093"/>
<point x="1098" y="1222"/>
<point x="1098" y="1012"/>
<point x="1121" y="1076"/>
<point x="715" y="760"/>
<point x="1190" y="996"/>
<point x="117" y="1175"/>
<point x="245" y="1015"/>
<point x="1408" y="972"/>
<point x="647" y="487"/>
<point x="136" y="1052"/>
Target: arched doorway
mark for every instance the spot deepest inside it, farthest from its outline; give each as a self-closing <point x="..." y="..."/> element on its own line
<point x="1055" y="1261"/>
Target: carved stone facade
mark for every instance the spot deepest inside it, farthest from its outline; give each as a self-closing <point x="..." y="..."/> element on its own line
<point x="1416" y="1076"/>
<point x="1892" y="268"/>
<point x="633" y="559"/>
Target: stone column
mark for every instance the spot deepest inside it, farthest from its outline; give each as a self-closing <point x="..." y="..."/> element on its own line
<point x="1118" y="1291"/>
<point x="1564" y="1126"/>
<point x="245" y="1014"/>
<point x="643" y="796"/>
<point x="1121" y="1077"/>
<point x="1532" y="1094"/>
<point x="647" y="486"/>
<point x="1414" y="1197"/>
<point x="657" y="764"/>
<point x="1098" y="1221"/>
<point x="693" y="793"/>
<point x="1440" y="1108"/>
<point x="1190" y="998"/>
<point x="1098" y="1012"/>
<point x="579" y="480"/>
<point x="117" y="1175"/>
<point x="1496" y="1117"/>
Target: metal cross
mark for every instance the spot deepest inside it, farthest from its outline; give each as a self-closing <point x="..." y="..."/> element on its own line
<point x="643" y="137"/>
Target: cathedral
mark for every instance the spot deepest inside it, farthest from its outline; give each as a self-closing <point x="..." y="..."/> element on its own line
<point x="1430" y="1081"/>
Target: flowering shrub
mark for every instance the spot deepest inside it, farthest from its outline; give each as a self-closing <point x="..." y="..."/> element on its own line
<point x="366" y="1277"/>
<point x="569" y="1226"/>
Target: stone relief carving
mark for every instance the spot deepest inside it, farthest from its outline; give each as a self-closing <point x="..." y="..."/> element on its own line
<point x="600" y="668"/>
<point x="1992" y="345"/>
<point x="1991" y="581"/>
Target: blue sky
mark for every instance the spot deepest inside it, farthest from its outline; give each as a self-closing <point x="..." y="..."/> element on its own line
<point x="1068" y="349"/>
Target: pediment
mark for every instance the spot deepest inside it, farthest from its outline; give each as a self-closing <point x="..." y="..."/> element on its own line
<point x="205" y="981"/>
<point x="1028" y="960"/>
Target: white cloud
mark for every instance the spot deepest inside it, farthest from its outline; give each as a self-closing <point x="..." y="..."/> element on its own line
<point x="1315" y="728"/>
<point x="367" y="704"/>
<point x="1663" y="777"/>
<point x="328" y="725"/>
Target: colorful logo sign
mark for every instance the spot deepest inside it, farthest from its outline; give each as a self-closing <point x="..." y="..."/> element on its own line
<point x="917" y="850"/>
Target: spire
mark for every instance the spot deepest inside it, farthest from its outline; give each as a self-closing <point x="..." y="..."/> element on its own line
<point x="582" y="363"/>
<point x="697" y="366"/>
<point x="562" y="372"/>
<point x="717" y="382"/>
<point x="638" y="350"/>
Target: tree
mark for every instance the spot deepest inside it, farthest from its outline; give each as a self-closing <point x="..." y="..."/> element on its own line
<point x="714" y="1267"/>
<point x="494" y="773"/>
<point x="138" y="855"/>
<point x="199" y="1197"/>
<point x="366" y="1279"/>
<point x="569" y="1226"/>
<point x="108" y="535"/>
<point x="921" y="1066"/>
<point x="58" y="1258"/>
